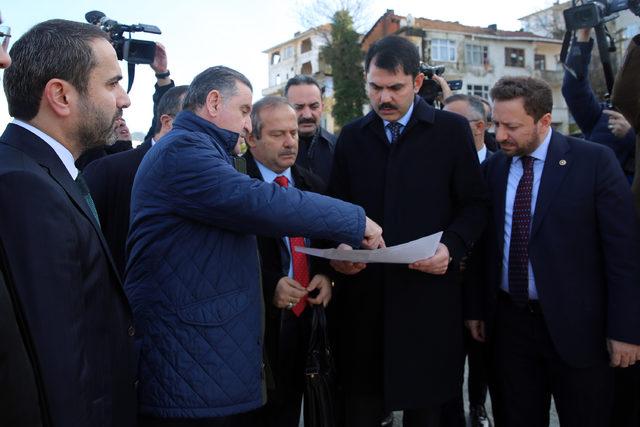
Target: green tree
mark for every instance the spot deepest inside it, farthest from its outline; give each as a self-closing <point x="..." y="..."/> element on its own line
<point x="344" y="56"/>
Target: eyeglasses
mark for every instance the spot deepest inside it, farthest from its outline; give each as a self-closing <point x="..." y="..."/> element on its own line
<point x="5" y="34"/>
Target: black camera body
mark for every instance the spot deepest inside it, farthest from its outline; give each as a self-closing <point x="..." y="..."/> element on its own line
<point x="131" y="50"/>
<point x="595" y="12"/>
<point x="431" y="89"/>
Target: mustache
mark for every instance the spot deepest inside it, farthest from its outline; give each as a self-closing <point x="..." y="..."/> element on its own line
<point x="288" y="152"/>
<point x="304" y="120"/>
<point x="388" y="105"/>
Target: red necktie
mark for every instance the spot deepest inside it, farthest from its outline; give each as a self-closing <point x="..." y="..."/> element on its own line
<point x="300" y="263"/>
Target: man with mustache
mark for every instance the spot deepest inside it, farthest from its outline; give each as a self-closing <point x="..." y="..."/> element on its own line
<point x="273" y="146"/>
<point x="415" y="169"/>
<point x="316" y="144"/>
<point x="64" y="94"/>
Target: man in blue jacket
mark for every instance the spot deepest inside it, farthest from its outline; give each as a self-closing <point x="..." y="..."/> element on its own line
<point x="193" y="270"/>
<point x="596" y="120"/>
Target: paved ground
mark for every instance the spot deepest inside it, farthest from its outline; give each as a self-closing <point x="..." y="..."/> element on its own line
<point x="398" y="415"/>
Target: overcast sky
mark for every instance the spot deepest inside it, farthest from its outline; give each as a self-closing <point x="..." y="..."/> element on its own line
<point x="199" y="34"/>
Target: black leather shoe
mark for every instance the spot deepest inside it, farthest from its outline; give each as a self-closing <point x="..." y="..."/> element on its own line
<point x="479" y="416"/>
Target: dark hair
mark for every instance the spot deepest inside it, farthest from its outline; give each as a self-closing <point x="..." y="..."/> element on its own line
<point x="170" y="103"/>
<point x="488" y="111"/>
<point x="263" y="104"/>
<point x="220" y="78"/>
<point x="300" y="80"/>
<point x="473" y="102"/>
<point x="51" y="49"/>
<point x="536" y="94"/>
<point x="392" y="52"/>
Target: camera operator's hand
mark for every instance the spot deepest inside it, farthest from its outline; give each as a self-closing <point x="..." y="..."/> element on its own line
<point x="583" y="34"/>
<point x="618" y="125"/>
<point x="446" y="90"/>
<point x="159" y="64"/>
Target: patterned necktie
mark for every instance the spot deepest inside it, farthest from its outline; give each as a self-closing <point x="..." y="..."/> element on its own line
<point x="299" y="261"/>
<point x="520" y="226"/>
<point x="84" y="190"/>
<point x="394" y="128"/>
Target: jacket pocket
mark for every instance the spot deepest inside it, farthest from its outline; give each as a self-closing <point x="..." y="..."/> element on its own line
<point x="215" y="311"/>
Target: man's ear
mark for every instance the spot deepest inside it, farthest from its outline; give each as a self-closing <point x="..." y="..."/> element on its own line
<point x="480" y="126"/>
<point x="59" y="96"/>
<point x="251" y="140"/>
<point x="166" y="122"/>
<point x="417" y="83"/>
<point x="213" y="103"/>
<point x="545" y="121"/>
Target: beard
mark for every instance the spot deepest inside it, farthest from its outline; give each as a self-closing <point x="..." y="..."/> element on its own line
<point x="96" y="128"/>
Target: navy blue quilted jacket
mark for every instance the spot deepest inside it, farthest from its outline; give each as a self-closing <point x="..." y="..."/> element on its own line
<point x="193" y="269"/>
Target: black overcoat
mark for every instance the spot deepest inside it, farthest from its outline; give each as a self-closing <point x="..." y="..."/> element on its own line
<point x="400" y="329"/>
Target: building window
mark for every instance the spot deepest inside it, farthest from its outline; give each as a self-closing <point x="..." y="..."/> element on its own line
<point x="288" y="52"/>
<point x="443" y="50"/>
<point x="275" y="58"/>
<point x="513" y="57"/>
<point x="476" y="55"/>
<point x="306" y="69"/>
<point x="478" y="90"/>
<point x="305" y="46"/>
<point x="278" y="79"/>
<point x="539" y="62"/>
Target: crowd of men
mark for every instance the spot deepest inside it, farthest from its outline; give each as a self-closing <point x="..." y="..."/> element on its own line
<point x="163" y="286"/>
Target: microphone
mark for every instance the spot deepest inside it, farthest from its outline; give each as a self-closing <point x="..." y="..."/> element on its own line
<point x="94" y="17"/>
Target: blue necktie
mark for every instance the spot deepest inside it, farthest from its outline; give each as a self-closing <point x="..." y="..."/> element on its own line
<point x="394" y="128"/>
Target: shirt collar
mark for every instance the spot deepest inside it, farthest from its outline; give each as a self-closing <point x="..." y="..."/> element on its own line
<point x="482" y="153"/>
<point x="269" y="176"/>
<point x="540" y="153"/>
<point x="153" y="141"/>
<point x="403" y="120"/>
<point x="65" y="155"/>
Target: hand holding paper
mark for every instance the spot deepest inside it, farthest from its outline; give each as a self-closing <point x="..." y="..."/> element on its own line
<point x="406" y="253"/>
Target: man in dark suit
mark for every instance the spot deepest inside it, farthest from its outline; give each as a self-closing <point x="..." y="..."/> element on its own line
<point x="316" y="144"/>
<point x="63" y="91"/>
<point x="472" y="109"/>
<point x="414" y="169"/>
<point x="110" y="179"/>
<point x="19" y="403"/>
<point x="561" y="269"/>
<point x="273" y="146"/>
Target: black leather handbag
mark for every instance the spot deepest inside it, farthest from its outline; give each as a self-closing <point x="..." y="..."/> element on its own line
<point x="319" y="374"/>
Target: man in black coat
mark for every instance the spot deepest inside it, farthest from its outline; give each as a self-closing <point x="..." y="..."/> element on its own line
<point x="110" y="179"/>
<point x="316" y="144"/>
<point x="63" y="91"/>
<point x="273" y="146"/>
<point x="414" y="169"/>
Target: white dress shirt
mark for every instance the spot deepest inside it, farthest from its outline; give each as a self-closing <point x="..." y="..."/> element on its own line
<point x="65" y="155"/>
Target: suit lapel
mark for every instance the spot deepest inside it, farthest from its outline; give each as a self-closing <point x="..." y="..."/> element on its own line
<point x="43" y="154"/>
<point x="556" y="166"/>
<point x="500" y="194"/>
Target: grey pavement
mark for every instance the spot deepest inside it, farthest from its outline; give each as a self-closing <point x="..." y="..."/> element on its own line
<point x="553" y="419"/>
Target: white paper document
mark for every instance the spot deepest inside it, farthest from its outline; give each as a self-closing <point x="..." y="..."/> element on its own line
<point x="405" y="253"/>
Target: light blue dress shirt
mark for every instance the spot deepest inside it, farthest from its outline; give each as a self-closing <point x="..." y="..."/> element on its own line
<point x="515" y="173"/>
<point x="269" y="176"/>
<point x="403" y="121"/>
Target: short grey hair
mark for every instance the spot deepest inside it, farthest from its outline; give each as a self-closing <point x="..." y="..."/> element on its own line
<point x="265" y="103"/>
<point x="220" y="78"/>
<point x="300" y="80"/>
<point x="475" y="104"/>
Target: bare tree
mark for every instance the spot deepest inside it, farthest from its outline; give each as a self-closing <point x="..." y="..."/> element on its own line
<point x="313" y="13"/>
